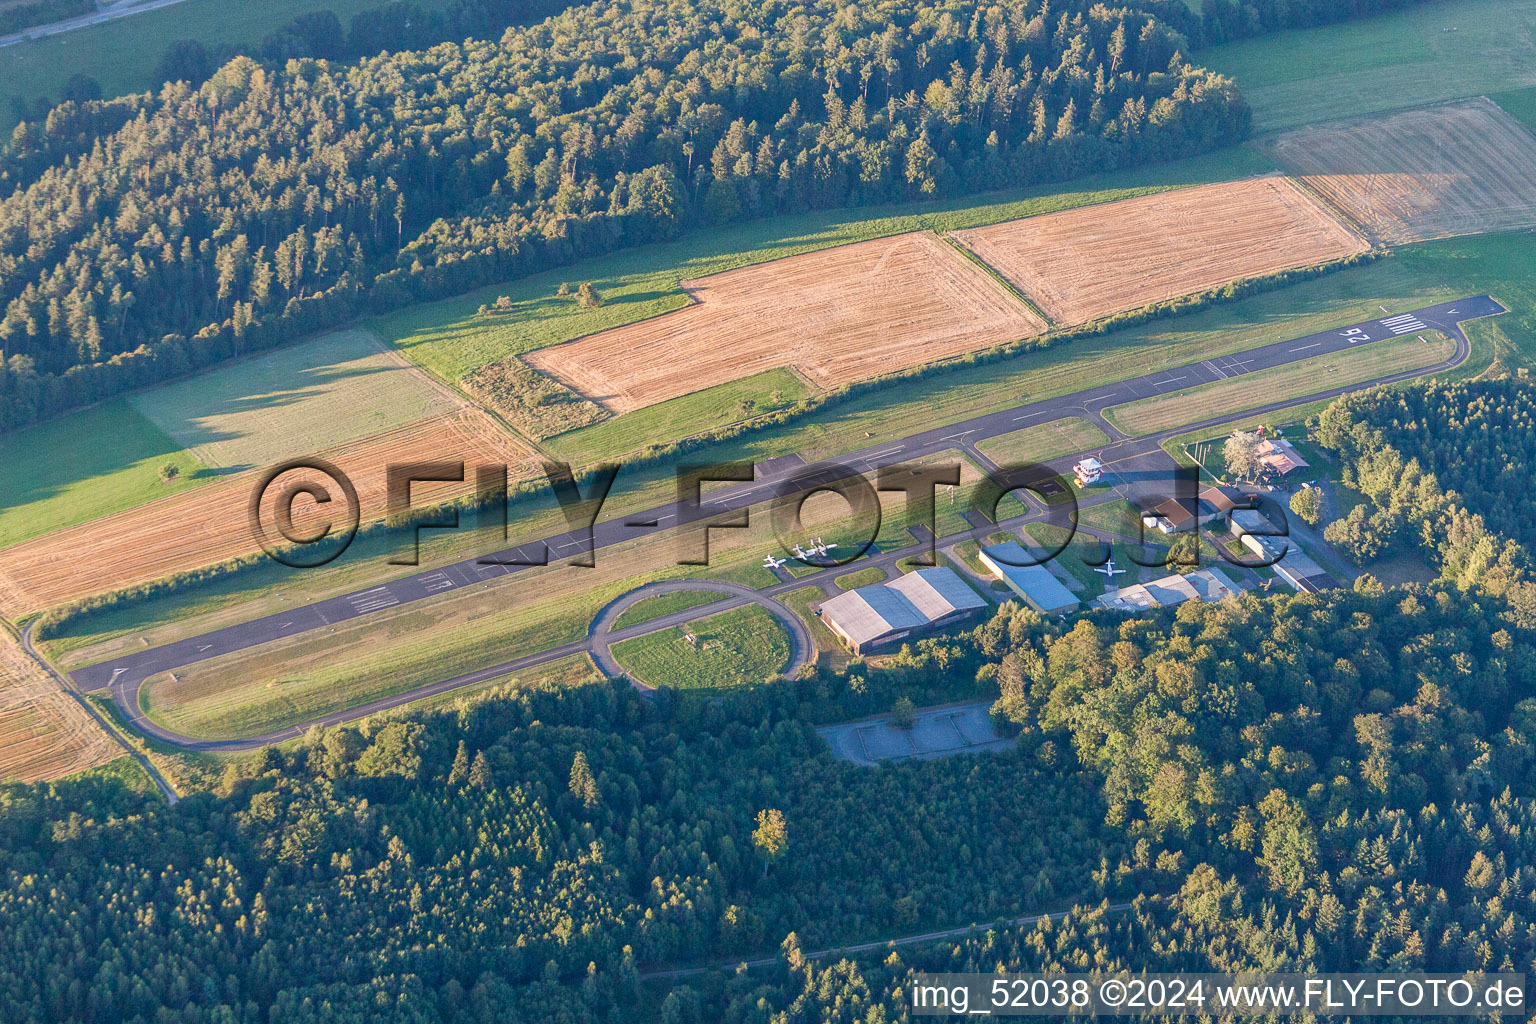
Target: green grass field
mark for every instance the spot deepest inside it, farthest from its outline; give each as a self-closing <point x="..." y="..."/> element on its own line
<point x="830" y="650"/>
<point x="1292" y="380"/>
<point x="1519" y="104"/>
<point x="1115" y="517"/>
<point x="1423" y="54"/>
<point x="681" y="417"/>
<point x="84" y="466"/>
<point x="1503" y="266"/>
<point x="122" y="54"/>
<point x="735" y="648"/>
<point x="861" y="578"/>
<point x="292" y="401"/>
<point x="664" y="604"/>
<point x="450" y="339"/>
<point x="1043" y="441"/>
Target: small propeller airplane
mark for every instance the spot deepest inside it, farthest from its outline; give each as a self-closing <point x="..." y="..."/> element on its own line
<point x="1108" y="569"/>
<point x="773" y="563"/>
<point x="821" y="549"/>
<point x="801" y="553"/>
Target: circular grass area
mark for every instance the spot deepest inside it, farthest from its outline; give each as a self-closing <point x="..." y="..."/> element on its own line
<point x="740" y="647"/>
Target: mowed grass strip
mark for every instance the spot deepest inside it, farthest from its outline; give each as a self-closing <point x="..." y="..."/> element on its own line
<point x="665" y="604"/>
<point x="1293" y="380"/>
<point x="295" y="400"/>
<point x="84" y="466"/>
<point x="1043" y="442"/>
<point x="861" y="578"/>
<point x="562" y="673"/>
<point x="682" y="417"/>
<point x="740" y="647"/>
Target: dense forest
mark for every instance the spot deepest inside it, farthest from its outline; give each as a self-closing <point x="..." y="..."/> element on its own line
<point x="146" y="235"/>
<point x="1444" y="469"/>
<point x="525" y="856"/>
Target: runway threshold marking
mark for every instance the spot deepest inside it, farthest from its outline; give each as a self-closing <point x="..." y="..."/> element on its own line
<point x="1405" y="324"/>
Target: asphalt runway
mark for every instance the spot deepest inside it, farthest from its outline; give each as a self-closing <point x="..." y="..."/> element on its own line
<point x="1130" y="458"/>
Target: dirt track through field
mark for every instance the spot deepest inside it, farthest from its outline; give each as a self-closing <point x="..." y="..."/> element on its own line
<point x="1083" y="264"/>
<point x="1456" y="169"/>
<point x="210" y="524"/>
<point x="837" y="315"/>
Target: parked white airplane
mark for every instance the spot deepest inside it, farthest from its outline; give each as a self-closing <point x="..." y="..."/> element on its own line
<point x="801" y="553"/>
<point x="824" y="545"/>
<point x="1108" y="569"/>
<point x="821" y="549"/>
<point x="773" y="563"/>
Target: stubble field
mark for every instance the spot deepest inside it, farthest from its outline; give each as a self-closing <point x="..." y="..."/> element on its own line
<point x="837" y="315"/>
<point x="1084" y="264"/>
<point x="1456" y="169"/>
<point x="43" y="734"/>
<point x="211" y="524"/>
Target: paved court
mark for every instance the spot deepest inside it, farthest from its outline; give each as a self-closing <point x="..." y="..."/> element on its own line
<point x="936" y="732"/>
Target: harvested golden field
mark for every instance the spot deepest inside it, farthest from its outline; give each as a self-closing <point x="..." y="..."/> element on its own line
<point x="208" y="525"/>
<point x="43" y="733"/>
<point x="1083" y="264"/>
<point x="837" y="315"/>
<point x="1456" y="169"/>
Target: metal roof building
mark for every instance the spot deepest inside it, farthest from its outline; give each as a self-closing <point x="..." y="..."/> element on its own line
<point x="925" y="600"/>
<point x="1204" y="585"/>
<point x="1036" y="585"/>
<point x="1299" y="570"/>
<point x="1268" y="543"/>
